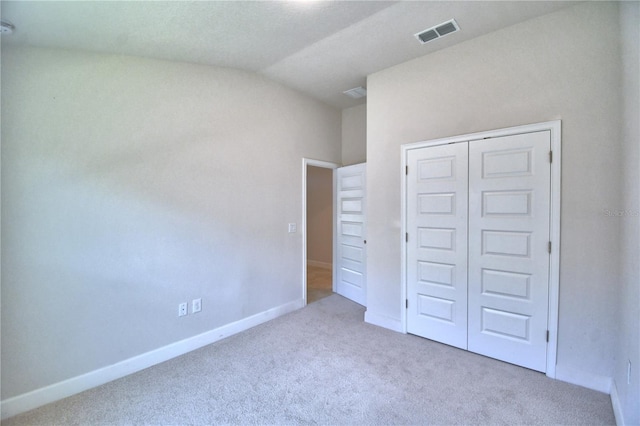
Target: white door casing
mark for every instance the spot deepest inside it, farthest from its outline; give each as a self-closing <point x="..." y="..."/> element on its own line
<point x="509" y="310"/>
<point x="437" y="254"/>
<point x="351" y="233"/>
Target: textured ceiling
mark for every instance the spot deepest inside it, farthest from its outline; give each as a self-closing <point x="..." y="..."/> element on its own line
<point x="317" y="47"/>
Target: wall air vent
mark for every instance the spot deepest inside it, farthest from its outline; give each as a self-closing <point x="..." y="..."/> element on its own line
<point x="356" y="92"/>
<point x="438" y="31"/>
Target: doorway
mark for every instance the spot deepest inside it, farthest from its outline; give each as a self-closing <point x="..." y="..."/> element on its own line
<point x="318" y="229"/>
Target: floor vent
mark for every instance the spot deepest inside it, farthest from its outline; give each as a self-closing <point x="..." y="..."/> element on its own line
<point x="438" y="31"/>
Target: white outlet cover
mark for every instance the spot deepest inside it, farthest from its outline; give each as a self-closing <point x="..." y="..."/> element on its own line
<point x="196" y="305"/>
<point x="292" y="228"/>
<point x="182" y="309"/>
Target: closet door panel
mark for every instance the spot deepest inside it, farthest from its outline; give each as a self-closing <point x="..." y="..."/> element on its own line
<point x="437" y="238"/>
<point x="509" y="205"/>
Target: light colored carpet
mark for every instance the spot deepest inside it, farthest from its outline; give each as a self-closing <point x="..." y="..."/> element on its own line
<point x="324" y="365"/>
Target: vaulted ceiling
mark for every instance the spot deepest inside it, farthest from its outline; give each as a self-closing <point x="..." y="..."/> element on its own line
<point x="320" y="48"/>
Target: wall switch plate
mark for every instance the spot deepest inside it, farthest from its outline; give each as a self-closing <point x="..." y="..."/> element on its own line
<point x="196" y="305"/>
<point x="293" y="228"/>
<point x="182" y="309"/>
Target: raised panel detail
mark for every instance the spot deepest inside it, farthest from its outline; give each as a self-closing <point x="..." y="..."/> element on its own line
<point x="506" y="243"/>
<point x="505" y="324"/>
<point x="435" y="307"/>
<point x="506" y="203"/>
<point x="350" y="199"/>
<point x="352" y="253"/>
<point x="351" y="277"/>
<point x="436" y="273"/>
<point x="351" y="205"/>
<point x="436" y="203"/>
<point x="436" y="168"/>
<point x="502" y="283"/>
<point x="351" y="182"/>
<point x="437" y="238"/>
<point x="509" y="163"/>
<point x="352" y="229"/>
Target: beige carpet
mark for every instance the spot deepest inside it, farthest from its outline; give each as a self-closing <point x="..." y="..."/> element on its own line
<point x="324" y="365"/>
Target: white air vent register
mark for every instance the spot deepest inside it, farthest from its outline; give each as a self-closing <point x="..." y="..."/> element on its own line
<point x="438" y="31"/>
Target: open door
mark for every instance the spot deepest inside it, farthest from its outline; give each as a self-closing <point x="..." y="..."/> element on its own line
<point x="351" y="233"/>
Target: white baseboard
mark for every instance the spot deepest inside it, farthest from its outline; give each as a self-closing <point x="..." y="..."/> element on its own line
<point x="383" y="321"/>
<point x="318" y="264"/>
<point x="583" y="378"/>
<point x="39" y="397"/>
<point x="617" y="407"/>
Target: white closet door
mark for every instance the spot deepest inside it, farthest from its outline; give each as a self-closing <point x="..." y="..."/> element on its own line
<point x="351" y="256"/>
<point x="437" y="243"/>
<point x="509" y="205"/>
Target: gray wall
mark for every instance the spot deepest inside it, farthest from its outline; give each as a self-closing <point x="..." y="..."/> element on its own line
<point x="130" y="185"/>
<point x="566" y="66"/>
<point x="354" y="135"/>
<point x="628" y="318"/>
<point x="320" y="215"/>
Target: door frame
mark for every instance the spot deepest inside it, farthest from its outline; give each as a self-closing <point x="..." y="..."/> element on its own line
<point x="555" y="129"/>
<point x="325" y="165"/>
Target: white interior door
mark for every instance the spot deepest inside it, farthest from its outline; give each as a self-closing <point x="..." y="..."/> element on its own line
<point x="509" y="213"/>
<point x="478" y="265"/>
<point x="437" y="243"/>
<point x="351" y="233"/>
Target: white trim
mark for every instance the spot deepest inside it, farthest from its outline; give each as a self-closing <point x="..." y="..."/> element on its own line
<point x="554" y="237"/>
<point x="403" y="241"/>
<point x="554" y="233"/>
<point x="327" y="165"/>
<point x="383" y="321"/>
<point x="318" y="264"/>
<point x="615" y="403"/>
<point x="584" y="378"/>
<point x="508" y="131"/>
<point x="39" y="397"/>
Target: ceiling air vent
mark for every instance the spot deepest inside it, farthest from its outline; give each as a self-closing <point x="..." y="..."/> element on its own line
<point x="356" y="92"/>
<point x="438" y="31"/>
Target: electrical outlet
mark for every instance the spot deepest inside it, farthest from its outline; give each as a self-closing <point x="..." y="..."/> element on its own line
<point x="293" y="228"/>
<point x="196" y="305"/>
<point x="629" y="372"/>
<point x="182" y="309"/>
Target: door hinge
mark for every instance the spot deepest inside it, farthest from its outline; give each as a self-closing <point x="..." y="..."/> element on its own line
<point x="549" y="246"/>
<point x="406" y="170"/>
<point x="547" y="335"/>
<point x="551" y="156"/>
<point x="406" y="237"/>
<point x="406" y="303"/>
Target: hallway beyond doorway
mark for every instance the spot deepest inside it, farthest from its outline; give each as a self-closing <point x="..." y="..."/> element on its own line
<point x="318" y="283"/>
